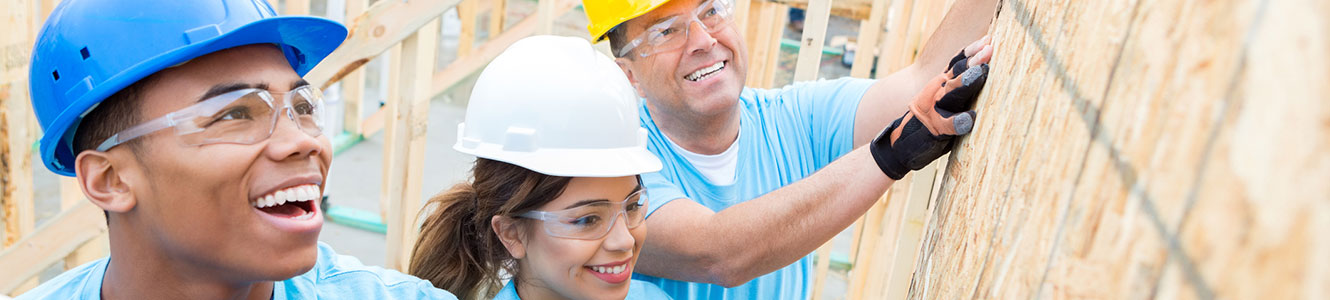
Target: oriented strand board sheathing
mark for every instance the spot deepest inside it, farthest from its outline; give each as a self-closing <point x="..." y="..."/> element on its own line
<point x="1139" y="149"/>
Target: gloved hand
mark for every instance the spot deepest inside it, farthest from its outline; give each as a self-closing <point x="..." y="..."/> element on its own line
<point x="929" y="129"/>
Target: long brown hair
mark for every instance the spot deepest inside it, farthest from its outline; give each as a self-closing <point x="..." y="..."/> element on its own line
<point x="457" y="250"/>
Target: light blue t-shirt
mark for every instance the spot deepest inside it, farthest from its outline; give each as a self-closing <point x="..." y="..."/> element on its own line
<point x="333" y="277"/>
<point x="637" y="290"/>
<point x="784" y="135"/>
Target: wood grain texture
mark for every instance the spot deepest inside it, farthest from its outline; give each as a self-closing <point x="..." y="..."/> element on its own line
<point x="1142" y="149"/>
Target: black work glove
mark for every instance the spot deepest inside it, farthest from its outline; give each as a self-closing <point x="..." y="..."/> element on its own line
<point x="929" y="129"/>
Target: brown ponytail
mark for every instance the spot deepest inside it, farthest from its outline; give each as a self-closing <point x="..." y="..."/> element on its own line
<point x="457" y="250"/>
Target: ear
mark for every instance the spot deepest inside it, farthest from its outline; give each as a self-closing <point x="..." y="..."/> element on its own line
<point x="625" y="64"/>
<point x="510" y="234"/>
<point x="103" y="183"/>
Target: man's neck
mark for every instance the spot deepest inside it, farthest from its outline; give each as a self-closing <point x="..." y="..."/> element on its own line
<point x="137" y="271"/>
<point x="701" y="134"/>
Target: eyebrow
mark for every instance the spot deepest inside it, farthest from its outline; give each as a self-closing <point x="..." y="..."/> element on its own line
<point x="299" y="83"/>
<point x="598" y="201"/>
<point x="223" y="88"/>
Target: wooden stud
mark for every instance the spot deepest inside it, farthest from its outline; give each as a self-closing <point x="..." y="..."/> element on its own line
<point x="65" y="232"/>
<point x="353" y="85"/>
<point x="875" y="282"/>
<point x="867" y="239"/>
<point x="498" y="13"/>
<point x="773" y="38"/>
<point x="869" y="32"/>
<point x="766" y="31"/>
<point x="16" y="189"/>
<point x="466" y="13"/>
<point x="893" y="47"/>
<point x="392" y="73"/>
<point x="741" y="11"/>
<point x="911" y="230"/>
<point x="405" y="142"/>
<point x="753" y="36"/>
<point x="810" y="45"/>
<point x="546" y="14"/>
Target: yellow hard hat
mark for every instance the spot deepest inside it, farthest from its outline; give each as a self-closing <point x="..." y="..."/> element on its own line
<point x="603" y="15"/>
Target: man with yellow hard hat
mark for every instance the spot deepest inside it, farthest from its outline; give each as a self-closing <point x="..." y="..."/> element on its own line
<point x="754" y="180"/>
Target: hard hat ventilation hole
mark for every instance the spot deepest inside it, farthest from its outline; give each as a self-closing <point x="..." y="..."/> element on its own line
<point x="85" y="53"/>
<point x="55" y="75"/>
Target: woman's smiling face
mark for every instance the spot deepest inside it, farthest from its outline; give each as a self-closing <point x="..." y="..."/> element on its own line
<point x="553" y="267"/>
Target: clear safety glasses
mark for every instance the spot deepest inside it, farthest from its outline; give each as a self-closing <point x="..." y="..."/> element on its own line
<point x="672" y="32"/>
<point x="244" y="116"/>
<point x="592" y="221"/>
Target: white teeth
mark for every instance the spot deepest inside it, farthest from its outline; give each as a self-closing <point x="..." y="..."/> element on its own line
<point x="610" y="270"/>
<point x="291" y="194"/>
<point x="705" y="72"/>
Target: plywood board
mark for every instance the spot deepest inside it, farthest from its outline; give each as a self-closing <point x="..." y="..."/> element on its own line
<point x="1142" y="149"/>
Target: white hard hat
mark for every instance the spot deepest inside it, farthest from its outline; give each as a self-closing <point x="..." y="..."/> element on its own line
<point x="555" y="105"/>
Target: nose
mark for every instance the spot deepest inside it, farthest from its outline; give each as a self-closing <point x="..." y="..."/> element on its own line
<point x="619" y="238"/>
<point x="699" y="38"/>
<point x="289" y="140"/>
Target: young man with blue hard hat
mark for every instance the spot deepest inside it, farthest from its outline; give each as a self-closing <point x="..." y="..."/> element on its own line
<point x="189" y="124"/>
<point x="755" y="179"/>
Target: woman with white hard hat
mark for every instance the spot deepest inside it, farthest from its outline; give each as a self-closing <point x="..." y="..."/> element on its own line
<point x="554" y="202"/>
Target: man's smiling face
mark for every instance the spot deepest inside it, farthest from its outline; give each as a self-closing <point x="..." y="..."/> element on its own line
<point x="702" y="77"/>
<point x="202" y="204"/>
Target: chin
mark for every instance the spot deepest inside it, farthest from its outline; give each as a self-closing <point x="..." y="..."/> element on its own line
<point x="293" y="264"/>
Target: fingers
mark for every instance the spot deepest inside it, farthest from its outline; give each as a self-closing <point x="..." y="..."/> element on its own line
<point x="961" y="123"/>
<point x="977" y="53"/>
<point x="977" y="45"/>
<point x="950" y="85"/>
<point x="963" y="94"/>
<point x="981" y="57"/>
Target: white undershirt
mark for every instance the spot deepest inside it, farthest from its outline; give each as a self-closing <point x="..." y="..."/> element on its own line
<point x="718" y="169"/>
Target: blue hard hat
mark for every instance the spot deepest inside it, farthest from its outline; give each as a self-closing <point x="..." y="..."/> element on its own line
<point x="91" y="49"/>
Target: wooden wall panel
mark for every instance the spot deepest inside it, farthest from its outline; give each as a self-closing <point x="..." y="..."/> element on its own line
<point x="1141" y="149"/>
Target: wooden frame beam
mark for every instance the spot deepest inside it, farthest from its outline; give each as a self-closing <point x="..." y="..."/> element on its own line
<point x="50" y="243"/>
<point x="870" y="31"/>
<point x="382" y="26"/>
<point x="16" y="136"/>
<point x="463" y="68"/>
<point x="853" y="9"/>
<point x="810" y="45"/>
<point x="353" y="85"/>
<point x="405" y="143"/>
<point x="460" y="69"/>
<point x="764" y="32"/>
<point x="910" y="230"/>
<point x="498" y="13"/>
<point x="466" y="40"/>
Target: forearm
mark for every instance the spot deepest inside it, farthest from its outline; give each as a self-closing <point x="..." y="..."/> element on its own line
<point x="965" y="22"/>
<point x="762" y="235"/>
<point x="886" y="100"/>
